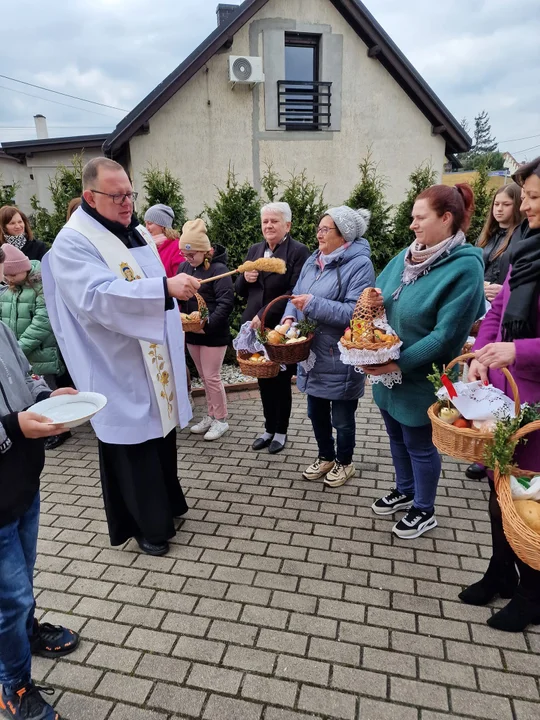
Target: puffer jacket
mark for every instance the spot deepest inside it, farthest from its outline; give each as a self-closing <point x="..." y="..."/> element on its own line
<point x="335" y="291"/>
<point x="23" y="310"/>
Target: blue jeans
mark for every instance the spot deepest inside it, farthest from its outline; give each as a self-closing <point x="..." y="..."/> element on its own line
<point x="416" y="460"/>
<point x="18" y="542"/>
<point x="340" y="414"/>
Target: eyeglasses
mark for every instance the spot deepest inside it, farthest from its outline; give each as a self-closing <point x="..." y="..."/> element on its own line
<point x="323" y="230"/>
<point x="119" y="198"/>
<point x="190" y="256"/>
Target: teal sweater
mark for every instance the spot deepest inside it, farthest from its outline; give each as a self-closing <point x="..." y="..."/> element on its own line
<point x="433" y="317"/>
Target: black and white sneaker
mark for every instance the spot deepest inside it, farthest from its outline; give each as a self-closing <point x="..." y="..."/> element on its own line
<point x="415" y="523"/>
<point x="395" y="500"/>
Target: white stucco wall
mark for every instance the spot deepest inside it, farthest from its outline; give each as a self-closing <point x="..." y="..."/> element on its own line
<point x="35" y="175"/>
<point x="206" y="126"/>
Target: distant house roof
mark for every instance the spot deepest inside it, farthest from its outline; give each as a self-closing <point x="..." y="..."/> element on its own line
<point x="380" y="46"/>
<point x="22" y="148"/>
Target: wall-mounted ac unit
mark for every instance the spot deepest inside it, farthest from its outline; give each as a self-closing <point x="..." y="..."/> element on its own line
<point x="245" y="70"/>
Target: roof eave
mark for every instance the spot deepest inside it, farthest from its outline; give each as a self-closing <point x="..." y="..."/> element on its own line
<point x="175" y="80"/>
<point x="26" y="147"/>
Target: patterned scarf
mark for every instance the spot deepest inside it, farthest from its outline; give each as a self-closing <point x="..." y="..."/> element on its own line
<point x="420" y="258"/>
<point x="18" y="241"/>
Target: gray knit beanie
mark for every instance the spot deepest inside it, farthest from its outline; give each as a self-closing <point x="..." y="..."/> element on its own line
<point x="352" y="224"/>
<point x="160" y="214"/>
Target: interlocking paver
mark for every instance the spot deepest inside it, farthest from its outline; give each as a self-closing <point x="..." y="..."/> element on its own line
<point x="278" y="600"/>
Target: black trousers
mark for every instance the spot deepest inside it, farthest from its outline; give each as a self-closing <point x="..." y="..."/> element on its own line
<point x="504" y="556"/>
<point x="276" y="397"/>
<point x="141" y="490"/>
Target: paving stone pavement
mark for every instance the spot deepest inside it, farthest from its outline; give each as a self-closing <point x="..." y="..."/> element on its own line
<point x="280" y="599"/>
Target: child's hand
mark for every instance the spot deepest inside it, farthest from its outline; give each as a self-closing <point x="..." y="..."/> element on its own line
<point x="65" y="391"/>
<point x="35" y="426"/>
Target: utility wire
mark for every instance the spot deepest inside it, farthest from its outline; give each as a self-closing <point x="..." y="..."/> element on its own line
<point x="74" y="97"/>
<point x="517" y="152"/>
<point x="518" y="139"/>
<point x="56" y="102"/>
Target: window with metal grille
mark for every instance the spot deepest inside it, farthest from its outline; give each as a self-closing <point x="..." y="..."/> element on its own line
<point x="303" y="100"/>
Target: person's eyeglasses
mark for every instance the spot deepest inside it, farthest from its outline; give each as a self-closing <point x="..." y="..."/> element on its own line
<point x="119" y="198"/>
<point x="190" y="256"/>
<point x="325" y="230"/>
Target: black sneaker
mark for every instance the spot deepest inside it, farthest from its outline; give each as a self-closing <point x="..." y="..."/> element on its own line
<point x="26" y="703"/>
<point x="415" y="523"/>
<point x="52" y="641"/>
<point x="395" y="500"/>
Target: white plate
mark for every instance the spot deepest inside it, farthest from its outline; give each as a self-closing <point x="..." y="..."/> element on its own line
<point x="71" y="410"/>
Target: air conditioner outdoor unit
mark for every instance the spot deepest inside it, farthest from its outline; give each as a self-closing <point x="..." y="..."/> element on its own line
<point x="245" y="70"/>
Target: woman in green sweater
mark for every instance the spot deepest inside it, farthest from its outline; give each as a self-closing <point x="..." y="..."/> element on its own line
<point x="433" y="292"/>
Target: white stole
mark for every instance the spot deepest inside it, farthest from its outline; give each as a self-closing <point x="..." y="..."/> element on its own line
<point x="123" y="264"/>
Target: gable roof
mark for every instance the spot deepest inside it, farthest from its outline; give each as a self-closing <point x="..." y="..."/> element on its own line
<point x="380" y="47"/>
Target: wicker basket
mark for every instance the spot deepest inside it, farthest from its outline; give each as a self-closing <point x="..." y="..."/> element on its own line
<point x="464" y="443"/>
<point x="367" y="309"/>
<point x="256" y="370"/>
<point x="524" y="540"/>
<point x="195" y="325"/>
<point x="286" y="354"/>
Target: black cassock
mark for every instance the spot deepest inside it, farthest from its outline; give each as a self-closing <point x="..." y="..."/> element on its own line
<point x="141" y="490"/>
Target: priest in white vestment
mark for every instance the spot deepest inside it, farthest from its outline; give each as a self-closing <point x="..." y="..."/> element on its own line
<point x="118" y="326"/>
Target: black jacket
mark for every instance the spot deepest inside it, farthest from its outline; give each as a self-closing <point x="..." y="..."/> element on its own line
<point x="496" y="269"/>
<point x="35" y="249"/>
<point x="21" y="459"/>
<point x="218" y="295"/>
<point x="270" y="285"/>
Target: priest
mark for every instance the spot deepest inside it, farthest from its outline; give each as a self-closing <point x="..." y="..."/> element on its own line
<point x="116" y="320"/>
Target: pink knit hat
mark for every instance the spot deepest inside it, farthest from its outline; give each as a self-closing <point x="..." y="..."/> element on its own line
<point x="16" y="261"/>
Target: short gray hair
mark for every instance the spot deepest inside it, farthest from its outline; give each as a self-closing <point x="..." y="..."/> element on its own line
<point x="283" y="208"/>
<point x="91" y="170"/>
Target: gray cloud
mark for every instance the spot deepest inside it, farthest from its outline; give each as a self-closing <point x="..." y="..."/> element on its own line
<point x="479" y="54"/>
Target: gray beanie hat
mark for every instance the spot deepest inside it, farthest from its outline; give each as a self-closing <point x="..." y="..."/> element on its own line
<point x="160" y="214"/>
<point x="352" y="224"/>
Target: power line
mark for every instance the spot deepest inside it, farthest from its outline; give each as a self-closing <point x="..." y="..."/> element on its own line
<point x="518" y="139"/>
<point x="56" y="102"/>
<point x="517" y="152"/>
<point x="74" y="97"/>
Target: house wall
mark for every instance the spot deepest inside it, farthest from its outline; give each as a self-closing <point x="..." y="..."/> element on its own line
<point x="11" y="172"/>
<point x="36" y="174"/>
<point x="207" y="126"/>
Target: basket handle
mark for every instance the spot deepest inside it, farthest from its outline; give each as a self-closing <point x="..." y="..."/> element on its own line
<point x="267" y="308"/>
<point x="200" y="302"/>
<point x="506" y="373"/>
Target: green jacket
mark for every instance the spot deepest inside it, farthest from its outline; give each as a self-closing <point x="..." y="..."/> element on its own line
<point x="25" y="313"/>
<point x="433" y="317"/>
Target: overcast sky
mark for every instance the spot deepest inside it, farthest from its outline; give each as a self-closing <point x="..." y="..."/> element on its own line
<point x="475" y="54"/>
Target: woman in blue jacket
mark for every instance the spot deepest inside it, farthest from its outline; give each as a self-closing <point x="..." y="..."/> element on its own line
<point x="329" y="285"/>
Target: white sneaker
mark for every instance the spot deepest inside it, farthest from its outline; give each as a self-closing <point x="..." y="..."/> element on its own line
<point x="318" y="469"/>
<point x="202" y="426"/>
<point x="339" y="474"/>
<point x="217" y="429"/>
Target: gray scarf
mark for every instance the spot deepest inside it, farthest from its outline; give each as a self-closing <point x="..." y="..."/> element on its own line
<point x="18" y="241"/>
<point x="419" y="259"/>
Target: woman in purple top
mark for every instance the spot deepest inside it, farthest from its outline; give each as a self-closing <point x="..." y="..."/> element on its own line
<point x="510" y="337"/>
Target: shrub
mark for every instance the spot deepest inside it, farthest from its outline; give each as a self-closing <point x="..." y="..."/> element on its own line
<point x="482" y="201"/>
<point x="370" y="193"/>
<point x="8" y="192"/>
<point x="421" y="178"/>
<point x="65" y="185"/>
<point x="161" y="186"/>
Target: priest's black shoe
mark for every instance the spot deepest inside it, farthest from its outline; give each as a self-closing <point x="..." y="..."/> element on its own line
<point x="261" y="443"/>
<point x="499" y="580"/>
<point x="276" y="447"/>
<point x="53" y="442"/>
<point x="152" y="548"/>
<point x="475" y="472"/>
<point x="517" y="615"/>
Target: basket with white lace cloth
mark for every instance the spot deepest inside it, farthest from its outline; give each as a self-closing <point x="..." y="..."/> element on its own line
<point x="370" y="340"/>
<point x="247" y="345"/>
